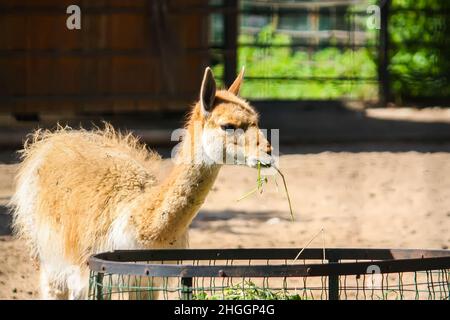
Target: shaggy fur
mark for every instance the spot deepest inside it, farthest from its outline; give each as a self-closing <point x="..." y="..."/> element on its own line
<point x="82" y="192"/>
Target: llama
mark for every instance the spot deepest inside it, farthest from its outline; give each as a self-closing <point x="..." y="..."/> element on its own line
<point x="81" y="192"/>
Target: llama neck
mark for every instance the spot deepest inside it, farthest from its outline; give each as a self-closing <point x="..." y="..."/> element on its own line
<point x="170" y="209"/>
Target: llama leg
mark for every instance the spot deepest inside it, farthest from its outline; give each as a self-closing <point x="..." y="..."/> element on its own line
<point x="77" y="284"/>
<point x="50" y="288"/>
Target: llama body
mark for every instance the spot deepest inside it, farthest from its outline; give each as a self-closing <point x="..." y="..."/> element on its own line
<point x="82" y="192"/>
<point x="74" y="196"/>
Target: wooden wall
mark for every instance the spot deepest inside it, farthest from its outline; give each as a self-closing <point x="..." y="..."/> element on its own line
<point x="130" y="55"/>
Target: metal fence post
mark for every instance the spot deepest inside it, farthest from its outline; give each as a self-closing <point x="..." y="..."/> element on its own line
<point x="383" y="63"/>
<point x="333" y="283"/>
<point x="99" y="286"/>
<point x="230" y="39"/>
<point x="186" y="288"/>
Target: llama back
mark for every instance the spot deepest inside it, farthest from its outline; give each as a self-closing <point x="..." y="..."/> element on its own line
<point x="72" y="211"/>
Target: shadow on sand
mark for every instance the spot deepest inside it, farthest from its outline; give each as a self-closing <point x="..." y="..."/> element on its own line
<point x="319" y="126"/>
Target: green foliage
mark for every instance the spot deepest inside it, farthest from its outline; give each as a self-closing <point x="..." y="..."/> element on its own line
<point x="247" y="291"/>
<point x="419" y="57"/>
<point x="419" y="63"/>
<point x="278" y="61"/>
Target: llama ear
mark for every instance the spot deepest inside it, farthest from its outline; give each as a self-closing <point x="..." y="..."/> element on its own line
<point x="236" y="86"/>
<point x="207" y="91"/>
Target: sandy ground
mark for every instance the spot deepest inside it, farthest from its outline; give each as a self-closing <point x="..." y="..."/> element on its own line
<point x="361" y="199"/>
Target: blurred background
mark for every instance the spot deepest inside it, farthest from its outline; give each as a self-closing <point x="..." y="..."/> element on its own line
<point x="143" y="60"/>
<point x="359" y="89"/>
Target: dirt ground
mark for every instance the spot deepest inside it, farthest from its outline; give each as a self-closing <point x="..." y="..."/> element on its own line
<point x="360" y="198"/>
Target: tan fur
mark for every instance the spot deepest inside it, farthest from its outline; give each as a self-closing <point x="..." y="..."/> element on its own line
<point x="84" y="176"/>
<point x="74" y="186"/>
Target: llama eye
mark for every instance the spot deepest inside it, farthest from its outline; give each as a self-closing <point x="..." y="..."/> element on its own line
<point x="228" y="126"/>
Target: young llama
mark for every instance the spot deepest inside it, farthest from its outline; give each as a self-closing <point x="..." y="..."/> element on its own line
<point x="82" y="192"/>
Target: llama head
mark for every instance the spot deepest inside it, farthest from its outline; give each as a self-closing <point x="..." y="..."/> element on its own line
<point x="230" y="133"/>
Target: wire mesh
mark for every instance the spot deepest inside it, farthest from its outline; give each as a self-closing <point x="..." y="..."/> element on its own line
<point x="241" y="275"/>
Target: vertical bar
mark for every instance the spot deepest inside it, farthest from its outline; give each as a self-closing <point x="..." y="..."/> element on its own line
<point x="230" y="39"/>
<point x="333" y="283"/>
<point x="186" y="288"/>
<point x="99" y="286"/>
<point x="383" y="64"/>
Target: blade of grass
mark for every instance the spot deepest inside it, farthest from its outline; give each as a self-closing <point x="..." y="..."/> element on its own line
<point x="248" y="194"/>
<point x="287" y="192"/>
<point x="259" y="187"/>
<point x="259" y="184"/>
<point x="307" y="245"/>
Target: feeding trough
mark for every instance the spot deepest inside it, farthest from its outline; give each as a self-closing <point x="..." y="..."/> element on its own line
<point x="271" y="274"/>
